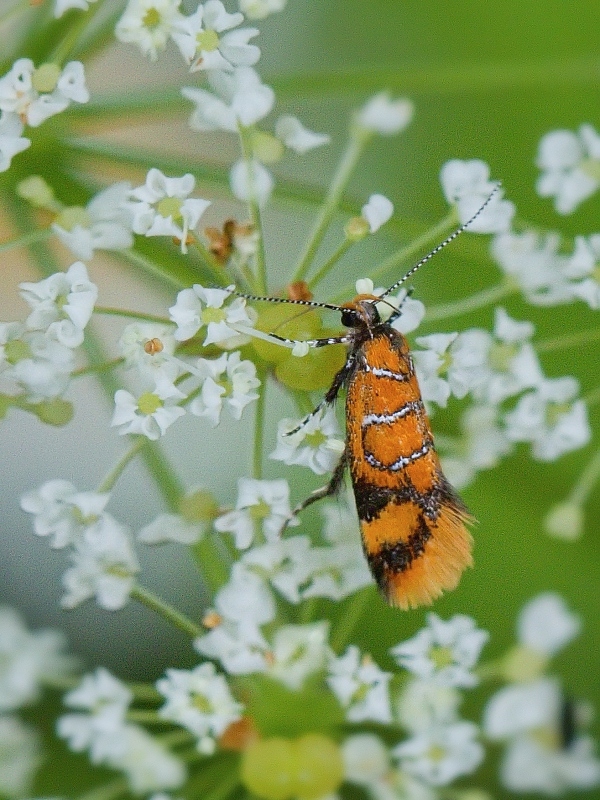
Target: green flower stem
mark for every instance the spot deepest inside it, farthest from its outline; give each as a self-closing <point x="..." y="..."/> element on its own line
<point x="571" y="341"/>
<point x="215" y="268"/>
<point x="107" y="791"/>
<point x="144" y="717"/>
<point x="330" y="263"/>
<point x="260" y="283"/>
<point x="113" y="476"/>
<point x="482" y="299"/>
<point x="356" y="145"/>
<point x="211" y="561"/>
<point x="93" y="369"/>
<point x="121" y="312"/>
<point x="586" y="482"/>
<point x="171" y="614"/>
<point x="259" y="427"/>
<point x="353" y="611"/>
<point x="24" y="241"/>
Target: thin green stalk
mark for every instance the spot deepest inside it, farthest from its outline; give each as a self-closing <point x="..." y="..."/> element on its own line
<point x="330" y="263"/>
<point x="113" y="476"/>
<point x="171" y="614"/>
<point x="345" y="626"/>
<point x="571" y="340"/>
<point x="93" y="369"/>
<point x="144" y="717"/>
<point x="24" y="241"/>
<point x="586" y="482"/>
<point x="259" y="427"/>
<point x="260" y="285"/>
<point x="107" y="791"/>
<point x="356" y="145"/>
<point x="121" y="312"/>
<point x="482" y="299"/>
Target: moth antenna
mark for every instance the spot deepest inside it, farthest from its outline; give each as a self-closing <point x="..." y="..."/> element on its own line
<point x="311" y="303"/>
<point x="443" y="244"/>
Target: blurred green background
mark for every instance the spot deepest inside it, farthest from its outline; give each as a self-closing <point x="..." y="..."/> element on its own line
<point x="487" y="81"/>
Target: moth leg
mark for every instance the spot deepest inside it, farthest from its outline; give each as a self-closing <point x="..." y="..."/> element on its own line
<point x="331" y="395"/>
<point x="328" y="490"/>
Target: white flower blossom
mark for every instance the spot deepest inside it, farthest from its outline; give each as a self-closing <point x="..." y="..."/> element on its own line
<point x="315" y="445"/>
<point x="149" y="347"/>
<point x="298" y="651"/>
<point x="361" y="687"/>
<point x="251" y="181"/>
<point x="199" y="700"/>
<point x="61" y="304"/>
<point x="37" y="94"/>
<point x="149" y="24"/>
<point x="63" y="513"/>
<point x="294" y="135"/>
<point x="198" y="307"/>
<point x="441" y="754"/>
<point x="104" y="224"/>
<point x="171" y="528"/>
<point x="148" y="765"/>
<point x="546" y="625"/>
<point x="466" y="185"/>
<point x="151" y="413"/>
<point x="227" y="382"/>
<point x="385" y="116"/>
<point x="162" y="207"/>
<point x="423" y="705"/>
<point x="20" y="757"/>
<point x="204" y="42"/>
<point x="33" y="362"/>
<point x="237" y="98"/>
<point x="259" y="9"/>
<point x="11" y="141"/>
<point x="377" y="211"/>
<point x="551" y="418"/>
<point x="104" y="566"/>
<point x="261" y="506"/>
<point x="443" y="652"/>
<point x="570" y="164"/>
<point x="582" y="269"/>
<point x="27" y="659"/>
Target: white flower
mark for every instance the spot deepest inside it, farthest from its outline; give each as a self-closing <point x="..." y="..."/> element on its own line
<point x="261" y="506"/>
<point x="443" y="652"/>
<point x="98" y="725"/>
<point x="237" y="98"/>
<point x="570" y="167"/>
<point x="162" y="207"/>
<point x="11" y="141"/>
<point x="534" y="261"/>
<point x="385" y="116"/>
<point x="151" y="413"/>
<point x="20" y="757"/>
<point x="522" y="707"/>
<point x="230" y="644"/>
<point x="298" y="651"/>
<point x="149" y="347"/>
<point x="288" y="564"/>
<point x="40" y="365"/>
<point x="62" y="512"/>
<point x="361" y="687"/>
<point x="171" y="528"/>
<point x="565" y="521"/>
<point x="315" y="445"/>
<point x="62" y="304"/>
<point x="200" y="41"/>
<point x="466" y="185"/>
<point x="298" y="138"/>
<point x="147" y="764"/>
<point x="62" y="6"/>
<point x="199" y="307"/>
<point x="430" y="363"/>
<point x="228" y="382"/>
<point x="424" y="704"/>
<point x="583" y="265"/>
<point x="377" y="211"/>
<point x="199" y="700"/>
<point x="546" y="625"/>
<point x="104" y="224"/>
<point x="27" y="659"/>
<point x="149" y="24"/>
<point x="441" y="754"/>
<point x="104" y="566"/>
<point x="551" y="419"/>
<point x="37" y="94"/>
<point x="259" y="9"/>
<point x="251" y="181"/>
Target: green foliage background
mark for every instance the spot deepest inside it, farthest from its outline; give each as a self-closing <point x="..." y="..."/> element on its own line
<point x="488" y="80"/>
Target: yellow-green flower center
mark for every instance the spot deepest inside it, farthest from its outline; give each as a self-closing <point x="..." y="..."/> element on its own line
<point x="45" y="78"/>
<point x="169" y="207"/>
<point x="591" y="168"/>
<point x="596" y="274"/>
<point x="436" y="753"/>
<point x="554" y="411"/>
<point x="315" y="439"/>
<point x="16" y="350"/>
<point x="259" y="510"/>
<point x="72" y="216"/>
<point x="202" y="703"/>
<point x="211" y="314"/>
<point x="151" y="18"/>
<point x="149" y="403"/>
<point x="441" y="656"/>
<point x="208" y="41"/>
<point x="501" y="356"/>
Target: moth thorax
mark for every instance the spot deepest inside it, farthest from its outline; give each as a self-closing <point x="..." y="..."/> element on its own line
<point x="360" y="312"/>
